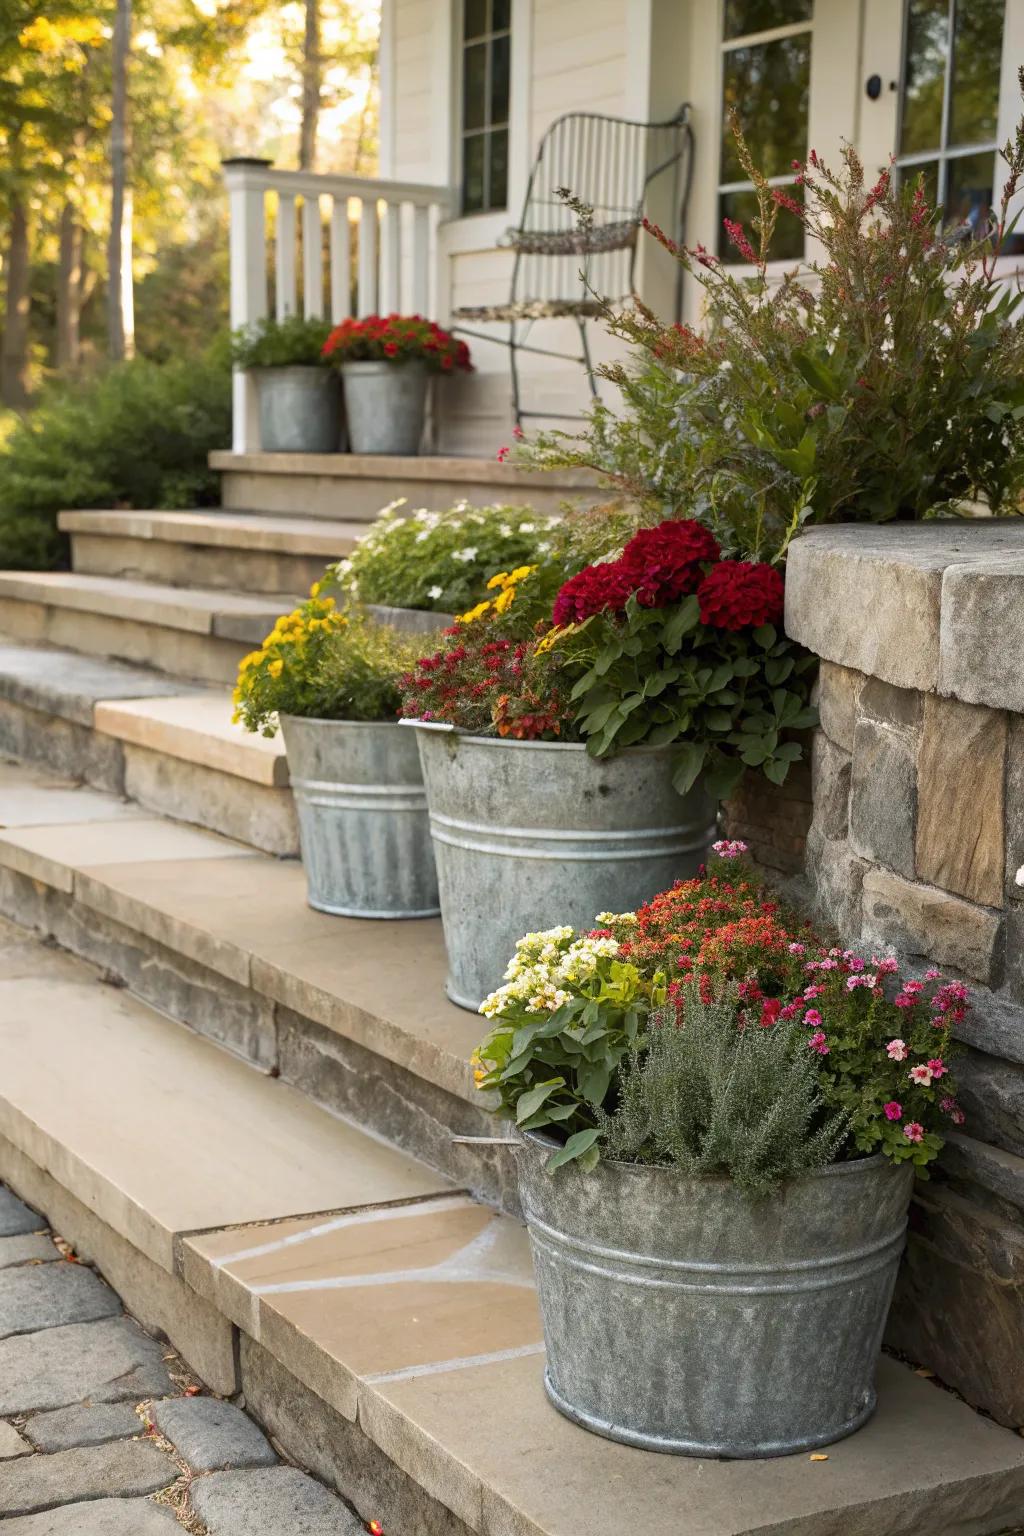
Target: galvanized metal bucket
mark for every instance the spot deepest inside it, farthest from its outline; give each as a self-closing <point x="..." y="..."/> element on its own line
<point x="300" y="410"/>
<point x="532" y="834"/>
<point x="410" y="621"/>
<point x="680" y="1317"/>
<point x="362" y="813"/>
<point x="385" y="404"/>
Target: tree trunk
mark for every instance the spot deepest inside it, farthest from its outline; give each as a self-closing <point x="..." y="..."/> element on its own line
<point x="69" y="290"/>
<point x="312" y="82"/>
<point x="14" y="353"/>
<point x="120" y="301"/>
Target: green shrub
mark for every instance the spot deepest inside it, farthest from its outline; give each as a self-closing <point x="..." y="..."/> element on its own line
<point x="289" y="343"/>
<point x="715" y="1095"/>
<point x="137" y="436"/>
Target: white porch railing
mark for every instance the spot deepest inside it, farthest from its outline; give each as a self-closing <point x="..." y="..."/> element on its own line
<point x="381" y="253"/>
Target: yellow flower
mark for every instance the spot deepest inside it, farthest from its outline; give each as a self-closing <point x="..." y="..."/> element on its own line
<point x="316" y="589"/>
<point x="497" y="581"/>
<point x="474" y="613"/>
<point x="276" y="667"/>
<point x="504" y="600"/>
<point x="553" y="636"/>
<point x="521" y="572"/>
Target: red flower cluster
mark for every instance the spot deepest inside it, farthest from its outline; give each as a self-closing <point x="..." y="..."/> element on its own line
<point x="660" y="565"/>
<point x="738" y="594"/>
<point x="397" y="338"/>
<point x="477" y="683"/>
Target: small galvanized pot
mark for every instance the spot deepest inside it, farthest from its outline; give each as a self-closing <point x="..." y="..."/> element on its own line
<point x="410" y="621"/>
<point x="680" y="1317"/>
<point x="300" y="410"/>
<point x="362" y="813"/>
<point x="385" y="405"/>
<point x="532" y="834"/>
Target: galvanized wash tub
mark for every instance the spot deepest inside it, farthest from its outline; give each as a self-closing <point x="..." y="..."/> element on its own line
<point x="300" y="410"/>
<point x="680" y="1317"/>
<point x="532" y="834"/>
<point x="362" y="813"/>
<point x="385" y="405"/>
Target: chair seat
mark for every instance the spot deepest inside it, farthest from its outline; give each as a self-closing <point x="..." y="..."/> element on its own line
<point x="618" y="236"/>
<point x="531" y="309"/>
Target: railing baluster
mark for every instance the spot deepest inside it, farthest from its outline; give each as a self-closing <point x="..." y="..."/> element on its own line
<point x="341" y="261"/>
<point x="420" y="286"/>
<point x="391" y="259"/>
<point x="366" y="298"/>
<point x="285" y="248"/>
<point x="312" y="259"/>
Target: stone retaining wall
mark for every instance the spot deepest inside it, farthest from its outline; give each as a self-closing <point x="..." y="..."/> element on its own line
<point x="915" y="843"/>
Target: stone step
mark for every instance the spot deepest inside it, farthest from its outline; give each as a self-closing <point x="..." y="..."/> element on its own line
<point x="231" y="551"/>
<point x="189" y="633"/>
<point x="382" y="1325"/>
<point x="350" y="1011"/>
<point x="356" y="486"/>
<point x="170" y="747"/>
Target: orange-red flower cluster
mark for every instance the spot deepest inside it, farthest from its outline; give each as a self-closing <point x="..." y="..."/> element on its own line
<point x="398" y="339"/>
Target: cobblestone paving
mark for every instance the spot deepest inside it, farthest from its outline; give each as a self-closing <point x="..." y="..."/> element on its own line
<point x="104" y="1431"/>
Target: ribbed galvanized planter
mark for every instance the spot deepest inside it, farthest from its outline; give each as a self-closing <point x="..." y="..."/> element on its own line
<point x="362" y="815"/>
<point x="300" y="410"/>
<point x="680" y="1317"/>
<point x="532" y="834"/>
<point x="385" y="405"/>
<point x="410" y="621"/>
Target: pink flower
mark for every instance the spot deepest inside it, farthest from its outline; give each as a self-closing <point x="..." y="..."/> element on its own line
<point x="814" y="991"/>
<point x="896" y="1050"/>
<point x="914" y="1131"/>
<point x="818" y="1043"/>
<point x="893" y="1111"/>
<point x="729" y="848"/>
<point x="937" y="1067"/>
<point x="813" y="1018"/>
<point x="886" y="966"/>
<point x="932" y="975"/>
<point x="502" y="455"/>
<point x="905" y="1000"/>
<point x="855" y="962"/>
<point x="739" y="239"/>
<point x="797" y="949"/>
<point x="921" y="1075"/>
<point x="866" y="979"/>
<point x="790" y="1011"/>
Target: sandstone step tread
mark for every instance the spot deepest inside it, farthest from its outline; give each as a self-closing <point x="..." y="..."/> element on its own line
<point x="423" y="467"/>
<point x="244" y="915"/>
<point x="60" y="682"/>
<point x="158" y="1131"/>
<point x="231" y="615"/>
<point x="423" y="1326"/>
<point x="198" y="728"/>
<point x="222" y="530"/>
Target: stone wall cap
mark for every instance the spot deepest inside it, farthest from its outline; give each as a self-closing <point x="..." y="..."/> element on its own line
<point x="918" y="605"/>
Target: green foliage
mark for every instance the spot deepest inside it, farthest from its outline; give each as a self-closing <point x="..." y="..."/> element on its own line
<point x="729" y="699"/>
<point x="441" y="561"/>
<point x="569" y="1012"/>
<point x="289" y="343"/>
<point x="325" y="665"/>
<point x="137" y="435"/>
<point x="709" y="1094"/>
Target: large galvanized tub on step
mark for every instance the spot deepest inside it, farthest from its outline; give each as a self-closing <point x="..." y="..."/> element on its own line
<point x="362" y="813"/>
<point x="680" y="1317"/>
<point x="532" y="834"/>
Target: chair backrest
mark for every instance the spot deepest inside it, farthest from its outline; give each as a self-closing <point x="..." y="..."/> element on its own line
<point x="607" y="163"/>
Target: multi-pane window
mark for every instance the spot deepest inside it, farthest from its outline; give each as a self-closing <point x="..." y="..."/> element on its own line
<point x="486" y="63"/>
<point x="766" y="77"/>
<point x="949" y="102"/>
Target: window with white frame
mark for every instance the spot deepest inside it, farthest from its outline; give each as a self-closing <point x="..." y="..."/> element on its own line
<point x="486" y="70"/>
<point x="949" y="104"/>
<point x="766" y="78"/>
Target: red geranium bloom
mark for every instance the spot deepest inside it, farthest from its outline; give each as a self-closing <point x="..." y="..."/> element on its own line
<point x="739" y="594"/>
<point x="594" y="589"/>
<point x="666" y="560"/>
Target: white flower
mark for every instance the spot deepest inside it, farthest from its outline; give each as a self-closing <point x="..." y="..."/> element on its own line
<point x="543" y="547"/>
<point x="469" y="553"/>
<point x="527" y="527"/>
<point x="505" y="531"/>
<point x="434" y="593"/>
<point x="1018" y="878"/>
<point x="423" y="535"/>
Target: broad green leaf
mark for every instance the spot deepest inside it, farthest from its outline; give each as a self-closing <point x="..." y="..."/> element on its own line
<point x="529" y="1103"/>
<point x="576" y="1146"/>
<point x="689" y="761"/>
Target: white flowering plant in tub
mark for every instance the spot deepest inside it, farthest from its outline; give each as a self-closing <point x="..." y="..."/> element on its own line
<point x="441" y="561"/>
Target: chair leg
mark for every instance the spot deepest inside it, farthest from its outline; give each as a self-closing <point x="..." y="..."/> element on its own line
<point x="517" y="409"/>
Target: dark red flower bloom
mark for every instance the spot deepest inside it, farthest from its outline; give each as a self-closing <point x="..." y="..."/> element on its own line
<point x="738" y="594"/>
<point x="660" y="565"/>
<point x="594" y="589"/>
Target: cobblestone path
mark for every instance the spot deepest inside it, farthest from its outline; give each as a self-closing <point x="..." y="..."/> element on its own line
<point x="103" y="1430"/>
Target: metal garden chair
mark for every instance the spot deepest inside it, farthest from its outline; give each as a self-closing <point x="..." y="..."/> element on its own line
<point x="609" y="164"/>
